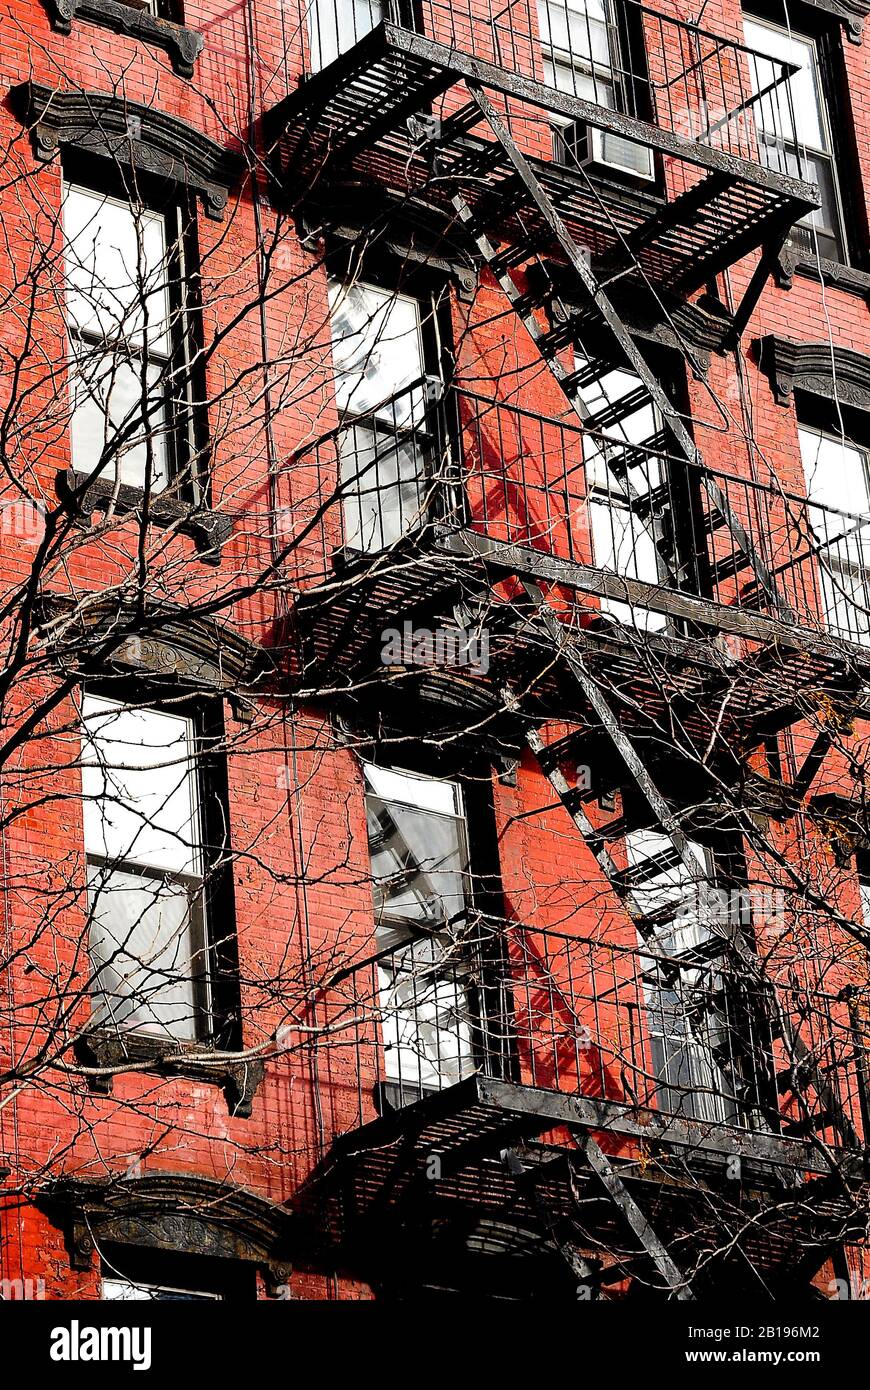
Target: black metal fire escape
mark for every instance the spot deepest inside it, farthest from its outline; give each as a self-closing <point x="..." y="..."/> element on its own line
<point x="520" y="216"/>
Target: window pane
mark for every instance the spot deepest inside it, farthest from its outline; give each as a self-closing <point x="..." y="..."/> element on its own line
<point x="426" y="1016"/>
<point x="377" y="350"/>
<point x="139" y="784"/>
<point x="836" y="472"/>
<point x="577" y="31"/>
<point x="106" y="401"/>
<point x="419" y="857"/>
<point x="142" y="954"/>
<point x="772" y="112"/>
<point x="334" y="26"/>
<point x="115" y="269"/>
<point x="425" y="793"/>
<point x="383" y="493"/>
<point x="669" y="888"/>
<point x="126" y="1291"/>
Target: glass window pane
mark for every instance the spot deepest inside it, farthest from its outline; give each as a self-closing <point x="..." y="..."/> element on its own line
<point x="116" y="269"/>
<point x="383" y="493"/>
<point x="142" y="953"/>
<point x="107" y="408"/>
<point x="334" y="26"/>
<point x="139" y="784"/>
<point x="419" y="857"/>
<point x="124" y="1290"/>
<point x="576" y="30"/>
<point x="838" y="483"/>
<point x="836" y="472"/>
<point x="426" y="1016"/>
<point x="772" y="113"/>
<point x="377" y="350"/>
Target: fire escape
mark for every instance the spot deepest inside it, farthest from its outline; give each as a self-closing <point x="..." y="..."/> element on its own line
<point x="583" y="201"/>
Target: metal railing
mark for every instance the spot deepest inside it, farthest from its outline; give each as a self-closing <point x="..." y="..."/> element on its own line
<point x="462" y="460"/>
<point x="684" y="1035"/>
<point x="622" y="56"/>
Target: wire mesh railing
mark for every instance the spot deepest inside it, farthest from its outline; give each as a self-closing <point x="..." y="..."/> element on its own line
<point x="612" y="501"/>
<point x="682" y="1034"/>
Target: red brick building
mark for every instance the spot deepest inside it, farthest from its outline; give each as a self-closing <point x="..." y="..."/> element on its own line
<point x="435" y="618"/>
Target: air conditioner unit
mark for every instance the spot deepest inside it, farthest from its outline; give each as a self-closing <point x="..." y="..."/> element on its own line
<point x="605" y="150"/>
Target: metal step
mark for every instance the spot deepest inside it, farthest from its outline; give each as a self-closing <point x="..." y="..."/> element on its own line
<point x="730" y="566"/>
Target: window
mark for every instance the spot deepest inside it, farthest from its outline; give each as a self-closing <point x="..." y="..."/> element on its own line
<point x="622" y="541"/>
<point x="121" y="326"/>
<point x="334" y="26"/>
<point x="143" y="828"/>
<point x="127" y="1291"/>
<point x="419" y="864"/>
<point x="683" y="1036"/>
<point x="377" y="345"/>
<point x="796" y="137"/>
<point x="838" y="487"/>
<point x="582" y="52"/>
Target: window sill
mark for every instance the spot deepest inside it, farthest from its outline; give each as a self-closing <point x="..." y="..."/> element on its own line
<point x="792" y="262"/>
<point x="209" y="530"/>
<point x="239" y="1080"/>
<point x="182" y="44"/>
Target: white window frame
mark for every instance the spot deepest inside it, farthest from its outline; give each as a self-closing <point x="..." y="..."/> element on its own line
<point x="158" y="868"/>
<point x="770" y="152"/>
<point x="131" y="334"/>
<point x="427" y="1016"/>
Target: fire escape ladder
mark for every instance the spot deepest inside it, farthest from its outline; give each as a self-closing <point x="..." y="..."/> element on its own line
<point x="803" y="1070"/>
<point x="523" y="191"/>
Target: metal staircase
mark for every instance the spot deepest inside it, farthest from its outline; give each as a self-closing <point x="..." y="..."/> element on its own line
<point x="592" y="317"/>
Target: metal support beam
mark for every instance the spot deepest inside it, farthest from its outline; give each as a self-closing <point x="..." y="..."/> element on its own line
<point x="636" y="1220"/>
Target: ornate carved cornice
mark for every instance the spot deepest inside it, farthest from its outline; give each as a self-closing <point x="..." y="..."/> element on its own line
<point x="814" y="367"/>
<point x="181" y="1212"/>
<point x="182" y="44"/>
<point x="165" y="642"/>
<point x="851" y="13"/>
<point x="129" y="134"/>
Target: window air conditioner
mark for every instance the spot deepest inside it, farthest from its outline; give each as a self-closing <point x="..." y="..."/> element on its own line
<point x="604" y="150"/>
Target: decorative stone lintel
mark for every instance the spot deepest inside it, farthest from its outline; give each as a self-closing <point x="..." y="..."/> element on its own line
<point x="182" y="44"/>
<point x="793" y="261"/>
<point x="240" y="1079"/>
<point x="176" y="1212"/>
<point x="813" y="367"/>
<point x="129" y="134"/>
<point x="209" y="530"/>
<point x="851" y="14"/>
<point x="166" y="642"/>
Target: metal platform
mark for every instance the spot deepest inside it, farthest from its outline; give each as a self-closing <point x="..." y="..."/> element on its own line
<point x="688" y="674"/>
<point x="349" y="125"/>
<point x="496" y="1164"/>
